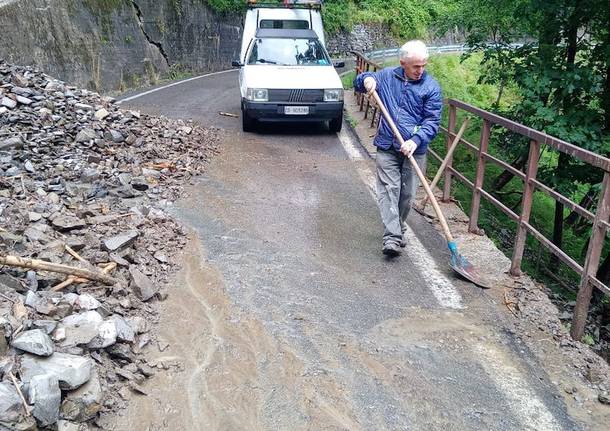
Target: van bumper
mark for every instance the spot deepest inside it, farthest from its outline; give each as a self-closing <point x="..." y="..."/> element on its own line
<point x="269" y="111"/>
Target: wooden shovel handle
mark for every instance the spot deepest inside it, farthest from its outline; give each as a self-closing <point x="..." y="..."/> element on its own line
<point x="450" y="151"/>
<point x="418" y="171"/>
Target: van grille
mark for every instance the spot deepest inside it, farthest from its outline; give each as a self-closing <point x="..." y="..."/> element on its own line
<point x="296" y="96"/>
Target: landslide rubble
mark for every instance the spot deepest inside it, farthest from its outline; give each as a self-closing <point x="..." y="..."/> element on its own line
<point x="86" y="185"/>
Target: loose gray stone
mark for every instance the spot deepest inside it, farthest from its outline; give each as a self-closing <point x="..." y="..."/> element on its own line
<point x="81" y="328"/>
<point x="101" y="114"/>
<point x="141" y="285"/>
<point x="63" y="425"/>
<point x="120" y="241"/>
<point x="24" y="100"/>
<point x="28" y="166"/>
<point x="604" y="398"/>
<point x="71" y="371"/>
<point x="83" y="403"/>
<point x="139" y="183"/>
<point x="53" y="86"/>
<point x="12" y="143"/>
<point x="114" y="136"/>
<point x="35" y="341"/>
<point x="67" y="222"/>
<point x="34" y="216"/>
<point x="89" y="175"/>
<point x="10" y="403"/>
<point x="8" y="102"/>
<point x="48" y="326"/>
<point x="44" y="393"/>
<point x="107" y="334"/>
<point x="86" y="302"/>
<point x="124" y="331"/>
<point x="83" y="106"/>
<point x="86" y="135"/>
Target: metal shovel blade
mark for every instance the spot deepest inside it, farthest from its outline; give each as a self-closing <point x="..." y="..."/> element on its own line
<point x="464" y="268"/>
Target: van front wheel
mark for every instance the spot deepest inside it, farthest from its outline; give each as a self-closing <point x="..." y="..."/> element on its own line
<point x="247" y="122"/>
<point x="335" y="124"/>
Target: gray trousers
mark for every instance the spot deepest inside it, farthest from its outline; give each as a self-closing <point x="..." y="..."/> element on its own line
<point x="396" y="186"/>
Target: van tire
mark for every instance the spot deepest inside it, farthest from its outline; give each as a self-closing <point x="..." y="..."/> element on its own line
<point x="247" y="122"/>
<point x="335" y="124"/>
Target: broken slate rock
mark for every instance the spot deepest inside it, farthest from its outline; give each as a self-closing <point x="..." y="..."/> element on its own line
<point x="44" y="393"/>
<point x="81" y="328"/>
<point x="114" y="136"/>
<point x="48" y="326"/>
<point x="64" y="223"/>
<point x="124" y="331"/>
<point x="83" y="403"/>
<point x="141" y="285"/>
<point x="604" y="398"/>
<point x="101" y="114"/>
<point x="120" y="241"/>
<point x="11" y="143"/>
<point x="63" y="425"/>
<point x="106" y="335"/>
<point x="10" y="403"/>
<point x="86" y="135"/>
<point x="71" y="371"/>
<point x="35" y="341"/>
<point x="8" y="102"/>
<point x="86" y="302"/>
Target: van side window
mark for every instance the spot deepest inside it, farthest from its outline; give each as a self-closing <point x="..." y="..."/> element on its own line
<point x="284" y="23"/>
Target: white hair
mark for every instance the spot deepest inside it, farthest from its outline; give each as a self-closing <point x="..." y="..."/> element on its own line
<point x="414" y="49"/>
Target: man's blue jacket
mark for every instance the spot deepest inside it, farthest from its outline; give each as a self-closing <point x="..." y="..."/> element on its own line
<point x="415" y="107"/>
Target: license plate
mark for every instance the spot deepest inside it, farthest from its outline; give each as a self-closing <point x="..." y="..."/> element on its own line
<point x="296" y="110"/>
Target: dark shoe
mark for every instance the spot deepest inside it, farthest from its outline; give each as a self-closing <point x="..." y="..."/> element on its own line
<point x="391" y="249"/>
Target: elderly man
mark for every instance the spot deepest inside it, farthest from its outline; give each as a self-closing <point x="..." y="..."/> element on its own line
<point x="413" y="99"/>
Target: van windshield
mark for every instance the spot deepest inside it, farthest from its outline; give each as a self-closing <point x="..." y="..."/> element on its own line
<point x="288" y="52"/>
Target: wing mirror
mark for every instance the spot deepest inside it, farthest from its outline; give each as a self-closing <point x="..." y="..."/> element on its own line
<point x="236" y="63"/>
<point x="339" y="64"/>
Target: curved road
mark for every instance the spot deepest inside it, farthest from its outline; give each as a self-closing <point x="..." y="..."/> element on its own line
<point x="288" y="317"/>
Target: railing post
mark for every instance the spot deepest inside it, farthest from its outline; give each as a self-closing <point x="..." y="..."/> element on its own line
<point x="526" y="207"/>
<point x="478" y="182"/>
<point x="451" y="130"/>
<point x="598" y="233"/>
<point x="362" y="99"/>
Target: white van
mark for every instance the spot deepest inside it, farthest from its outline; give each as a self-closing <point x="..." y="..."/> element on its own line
<point x="285" y="72"/>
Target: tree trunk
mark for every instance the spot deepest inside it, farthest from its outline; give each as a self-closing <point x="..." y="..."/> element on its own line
<point x="587" y="201"/>
<point x="562" y="165"/>
<point x="603" y="272"/>
<point x="504" y="178"/>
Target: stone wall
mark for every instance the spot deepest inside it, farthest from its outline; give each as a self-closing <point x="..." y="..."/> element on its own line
<point x="363" y="37"/>
<point x="110" y="45"/>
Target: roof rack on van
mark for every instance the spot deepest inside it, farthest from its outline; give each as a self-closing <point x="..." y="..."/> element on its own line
<point x="296" y="4"/>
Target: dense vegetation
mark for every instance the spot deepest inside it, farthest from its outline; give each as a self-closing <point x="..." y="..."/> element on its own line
<point x="557" y="81"/>
<point x="562" y="77"/>
<point x="405" y="18"/>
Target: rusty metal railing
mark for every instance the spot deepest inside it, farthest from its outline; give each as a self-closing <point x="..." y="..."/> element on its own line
<point x="599" y="219"/>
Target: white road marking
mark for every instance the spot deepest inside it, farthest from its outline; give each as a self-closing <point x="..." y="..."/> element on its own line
<point x="171" y="85"/>
<point x="443" y="290"/>
<point x="526" y="406"/>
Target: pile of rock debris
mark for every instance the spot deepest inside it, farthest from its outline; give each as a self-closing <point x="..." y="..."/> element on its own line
<point x="85" y="243"/>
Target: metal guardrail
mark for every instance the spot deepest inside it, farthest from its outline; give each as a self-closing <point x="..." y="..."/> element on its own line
<point x="393" y="52"/>
<point x="599" y="219"/>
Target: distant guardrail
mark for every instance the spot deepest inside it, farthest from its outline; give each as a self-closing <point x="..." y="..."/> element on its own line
<point x="393" y="52"/>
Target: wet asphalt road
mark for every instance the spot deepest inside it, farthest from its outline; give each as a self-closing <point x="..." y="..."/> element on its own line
<point x="285" y="217"/>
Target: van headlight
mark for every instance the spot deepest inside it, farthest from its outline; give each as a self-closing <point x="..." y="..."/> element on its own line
<point x="333" y="95"/>
<point x="257" y="94"/>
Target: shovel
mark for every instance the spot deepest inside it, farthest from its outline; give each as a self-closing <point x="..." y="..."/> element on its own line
<point x="458" y="262"/>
